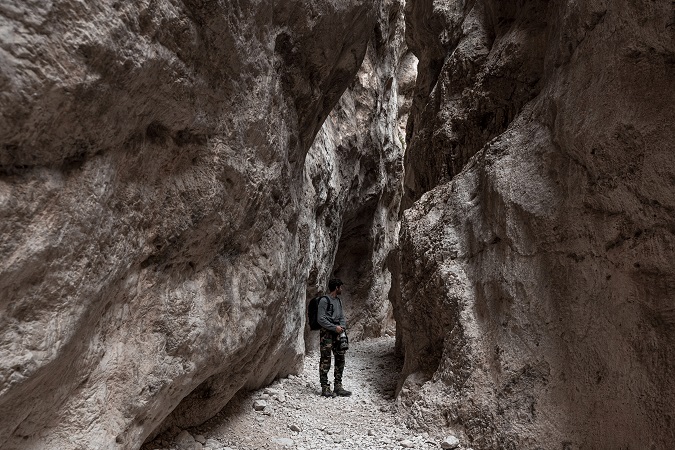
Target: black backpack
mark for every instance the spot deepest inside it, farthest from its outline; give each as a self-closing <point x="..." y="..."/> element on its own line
<point x="312" y="312"/>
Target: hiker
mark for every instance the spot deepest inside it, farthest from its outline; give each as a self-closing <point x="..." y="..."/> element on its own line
<point x="333" y="324"/>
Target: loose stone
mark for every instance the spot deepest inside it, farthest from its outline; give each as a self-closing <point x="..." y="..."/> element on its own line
<point x="450" y="442"/>
<point x="185" y="441"/>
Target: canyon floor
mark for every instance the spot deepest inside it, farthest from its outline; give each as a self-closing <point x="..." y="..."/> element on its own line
<point x="296" y="417"/>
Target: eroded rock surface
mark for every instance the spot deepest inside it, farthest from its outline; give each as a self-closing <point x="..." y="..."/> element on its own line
<point x="359" y="151"/>
<point x="158" y="213"/>
<point x="536" y="305"/>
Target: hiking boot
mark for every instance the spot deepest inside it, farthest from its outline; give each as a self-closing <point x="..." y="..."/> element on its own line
<point x="326" y="392"/>
<point x="339" y="390"/>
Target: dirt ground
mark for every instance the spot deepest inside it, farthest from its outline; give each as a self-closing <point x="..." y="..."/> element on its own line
<point x="291" y="414"/>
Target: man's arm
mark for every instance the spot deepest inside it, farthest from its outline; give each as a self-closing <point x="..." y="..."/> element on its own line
<point x="342" y="320"/>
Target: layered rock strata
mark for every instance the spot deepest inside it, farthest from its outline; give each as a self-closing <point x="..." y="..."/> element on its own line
<point x="159" y="219"/>
<point x="536" y="304"/>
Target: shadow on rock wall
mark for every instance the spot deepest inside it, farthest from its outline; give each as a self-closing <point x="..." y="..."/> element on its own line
<point x="156" y="229"/>
<point x="356" y="150"/>
<point x="536" y="291"/>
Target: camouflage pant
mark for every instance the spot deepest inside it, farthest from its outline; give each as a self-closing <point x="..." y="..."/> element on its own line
<point x="329" y="343"/>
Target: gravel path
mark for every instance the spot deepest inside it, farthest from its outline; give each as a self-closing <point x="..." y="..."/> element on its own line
<point x="292" y="415"/>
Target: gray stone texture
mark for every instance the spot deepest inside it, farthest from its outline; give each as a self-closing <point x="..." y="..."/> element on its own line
<point x="537" y="279"/>
<point x="359" y="152"/>
<point x="163" y="215"/>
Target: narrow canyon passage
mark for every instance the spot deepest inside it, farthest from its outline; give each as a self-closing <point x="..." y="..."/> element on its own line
<point x="493" y="180"/>
<point x="293" y="415"/>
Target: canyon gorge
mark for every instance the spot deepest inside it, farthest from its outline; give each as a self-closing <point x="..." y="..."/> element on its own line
<point x="493" y="180"/>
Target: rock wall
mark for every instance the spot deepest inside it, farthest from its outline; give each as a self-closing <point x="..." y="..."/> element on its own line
<point x="360" y="151"/>
<point x="537" y="284"/>
<point x="159" y="220"/>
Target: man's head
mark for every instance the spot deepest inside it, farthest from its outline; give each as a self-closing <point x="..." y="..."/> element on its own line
<point x="334" y="284"/>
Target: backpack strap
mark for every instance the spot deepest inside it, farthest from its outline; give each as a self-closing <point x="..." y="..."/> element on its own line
<point x="327" y="300"/>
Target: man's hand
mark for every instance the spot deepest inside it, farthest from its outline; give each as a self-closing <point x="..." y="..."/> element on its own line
<point x="339" y="329"/>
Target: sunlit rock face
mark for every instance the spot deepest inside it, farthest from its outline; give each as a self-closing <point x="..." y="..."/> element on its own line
<point x="159" y="223"/>
<point x="360" y="151"/>
<point x="537" y="278"/>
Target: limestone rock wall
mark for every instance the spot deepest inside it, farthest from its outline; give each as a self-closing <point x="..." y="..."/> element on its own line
<point x="536" y="303"/>
<point x="359" y="151"/>
<point x="159" y="224"/>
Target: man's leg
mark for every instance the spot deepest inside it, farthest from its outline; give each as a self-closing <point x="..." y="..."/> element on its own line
<point x="339" y="368"/>
<point x="325" y="346"/>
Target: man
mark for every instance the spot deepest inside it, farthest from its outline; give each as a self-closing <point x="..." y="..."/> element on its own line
<point x="332" y="320"/>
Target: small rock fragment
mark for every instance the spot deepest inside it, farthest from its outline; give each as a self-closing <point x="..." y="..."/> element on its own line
<point x="450" y="442"/>
<point x="214" y="444"/>
<point x="185" y="441"/>
<point x="184" y="437"/>
<point x="294" y="427"/>
<point x="407" y="444"/>
<point x="259" y="405"/>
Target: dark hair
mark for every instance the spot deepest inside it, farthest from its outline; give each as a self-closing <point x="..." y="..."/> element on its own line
<point x="334" y="283"/>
